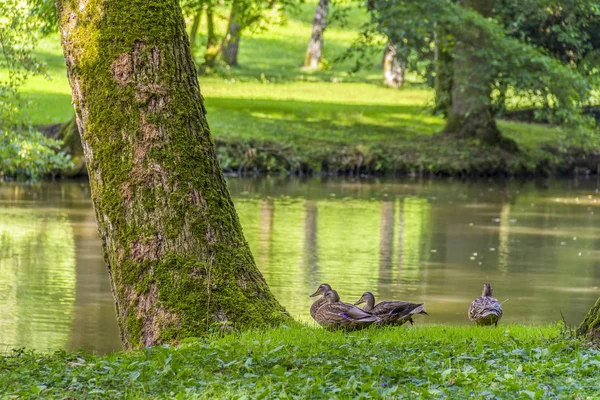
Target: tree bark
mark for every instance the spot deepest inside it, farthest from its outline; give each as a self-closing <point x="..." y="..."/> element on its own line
<point x="590" y="327"/>
<point x="443" y="75"/>
<point x="177" y="260"/>
<point x="394" y="68"/>
<point x="231" y="41"/>
<point x="471" y="113"/>
<point x="213" y="49"/>
<point x="194" y="31"/>
<point x="314" y="52"/>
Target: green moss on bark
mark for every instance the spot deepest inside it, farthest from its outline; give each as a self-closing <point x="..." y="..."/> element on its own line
<point x="172" y="239"/>
<point x="590" y="327"/>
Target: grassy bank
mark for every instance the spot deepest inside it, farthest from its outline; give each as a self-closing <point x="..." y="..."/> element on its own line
<point x="270" y="115"/>
<point x="512" y="361"/>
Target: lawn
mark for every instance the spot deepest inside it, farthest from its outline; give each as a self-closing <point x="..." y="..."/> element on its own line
<point x="511" y="361"/>
<point x="271" y="115"/>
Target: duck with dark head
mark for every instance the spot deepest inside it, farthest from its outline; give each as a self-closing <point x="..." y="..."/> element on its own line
<point x="391" y="312"/>
<point x="485" y="310"/>
<point x="321" y="291"/>
<point x="335" y="314"/>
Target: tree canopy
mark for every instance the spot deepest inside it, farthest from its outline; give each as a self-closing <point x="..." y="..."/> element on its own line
<point x="24" y="151"/>
<point x="532" y="53"/>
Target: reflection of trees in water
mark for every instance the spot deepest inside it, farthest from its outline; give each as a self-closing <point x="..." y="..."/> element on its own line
<point x="349" y="245"/>
<point x="503" y="238"/>
<point x="286" y="272"/>
<point x="37" y="278"/>
<point x="94" y="323"/>
<point x="415" y="217"/>
<point x="264" y="245"/>
<point x="311" y="256"/>
<point x="386" y="245"/>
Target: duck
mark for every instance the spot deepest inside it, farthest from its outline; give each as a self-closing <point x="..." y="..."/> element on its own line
<point x="391" y="312"/>
<point x="321" y="291"/>
<point x="485" y="310"/>
<point x="337" y="315"/>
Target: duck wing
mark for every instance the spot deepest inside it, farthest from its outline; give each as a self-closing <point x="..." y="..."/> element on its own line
<point x="399" y="308"/>
<point x="350" y="311"/>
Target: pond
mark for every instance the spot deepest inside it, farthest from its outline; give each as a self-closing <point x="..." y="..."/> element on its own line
<point x="433" y="241"/>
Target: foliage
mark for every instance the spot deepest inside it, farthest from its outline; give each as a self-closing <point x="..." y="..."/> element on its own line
<point x="529" y="71"/>
<point x="254" y="16"/>
<point x="284" y="122"/>
<point x="29" y="154"/>
<point x="511" y="361"/>
<point x="569" y="30"/>
<point x="23" y="151"/>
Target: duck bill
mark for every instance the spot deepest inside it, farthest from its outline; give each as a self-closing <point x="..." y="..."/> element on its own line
<point x="315" y="294"/>
<point x="359" y="302"/>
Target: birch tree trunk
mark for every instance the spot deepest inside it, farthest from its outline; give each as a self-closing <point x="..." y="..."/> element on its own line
<point x="314" y="52"/>
<point x="176" y="255"/>
<point x="394" y="68"/>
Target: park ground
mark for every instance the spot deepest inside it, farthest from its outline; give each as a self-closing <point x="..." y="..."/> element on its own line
<point x="508" y="362"/>
<point x="270" y="115"/>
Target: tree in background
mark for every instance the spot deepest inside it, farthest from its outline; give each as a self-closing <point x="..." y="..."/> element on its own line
<point x="243" y="15"/>
<point x="24" y="151"/>
<point x="394" y="65"/>
<point x="177" y="259"/>
<point x="471" y="110"/>
<point x="314" y="52"/>
<point x="195" y="9"/>
<point x="485" y="59"/>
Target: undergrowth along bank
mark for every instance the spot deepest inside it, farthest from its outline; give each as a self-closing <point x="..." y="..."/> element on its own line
<point x="511" y="361"/>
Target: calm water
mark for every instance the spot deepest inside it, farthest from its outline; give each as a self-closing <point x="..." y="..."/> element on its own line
<point x="432" y="241"/>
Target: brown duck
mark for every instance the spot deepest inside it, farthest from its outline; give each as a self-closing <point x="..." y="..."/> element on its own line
<point x="485" y="310"/>
<point x="337" y="315"/>
<point x="321" y="291"/>
<point x="391" y="312"/>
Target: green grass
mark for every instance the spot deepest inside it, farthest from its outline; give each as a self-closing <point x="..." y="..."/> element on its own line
<point x="269" y="114"/>
<point x="512" y="361"/>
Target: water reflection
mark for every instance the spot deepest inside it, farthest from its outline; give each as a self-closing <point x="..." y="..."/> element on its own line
<point x="433" y="241"/>
<point x="37" y="284"/>
<point x="54" y="292"/>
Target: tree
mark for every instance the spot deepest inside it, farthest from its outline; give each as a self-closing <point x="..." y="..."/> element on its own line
<point x="195" y="9"/>
<point x="314" y="51"/>
<point x="471" y="112"/>
<point x="231" y="41"/>
<point x="485" y="58"/>
<point x="24" y="151"/>
<point x="590" y="327"/>
<point x="177" y="259"/>
<point x="394" y="66"/>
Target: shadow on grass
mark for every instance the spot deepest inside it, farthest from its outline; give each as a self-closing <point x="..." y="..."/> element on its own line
<point x="312" y="122"/>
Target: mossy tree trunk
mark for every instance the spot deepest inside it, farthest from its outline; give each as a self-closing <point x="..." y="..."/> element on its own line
<point x="394" y="67"/>
<point x="314" y="52"/>
<point x="194" y="31"/>
<point x="231" y="41"/>
<point x="177" y="259"/>
<point x="213" y="48"/>
<point x="471" y="113"/>
<point x="590" y="327"/>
